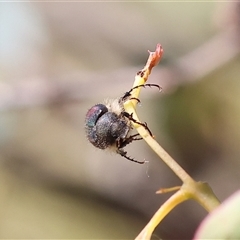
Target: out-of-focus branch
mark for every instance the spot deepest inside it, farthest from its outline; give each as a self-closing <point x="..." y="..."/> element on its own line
<point x="34" y="92"/>
<point x="212" y="55"/>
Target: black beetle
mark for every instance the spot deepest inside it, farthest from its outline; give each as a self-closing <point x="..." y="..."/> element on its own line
<point x="108" y="126"/>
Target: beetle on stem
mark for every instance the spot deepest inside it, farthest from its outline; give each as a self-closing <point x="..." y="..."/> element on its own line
<point x="109" y="125"/>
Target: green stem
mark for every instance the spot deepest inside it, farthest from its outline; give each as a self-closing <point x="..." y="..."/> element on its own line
<point x="171" y="203"/>
<point x="202" y="193"/>
<point x="171" y="163"/>
<point x="199" y="191"/>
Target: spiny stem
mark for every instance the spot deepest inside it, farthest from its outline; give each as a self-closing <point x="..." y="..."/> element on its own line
<point x="166" y="190"/>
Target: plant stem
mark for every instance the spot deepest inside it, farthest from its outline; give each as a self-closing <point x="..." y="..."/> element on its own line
<point x="172" y="202"/>
<point x="172" y="164"/>
<point x="199" y="191"/>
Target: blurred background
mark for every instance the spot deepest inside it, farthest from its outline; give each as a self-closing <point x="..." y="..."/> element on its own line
<point x="58" y="59"/>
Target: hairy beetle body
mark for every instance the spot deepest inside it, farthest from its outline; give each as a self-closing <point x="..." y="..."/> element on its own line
<point x="109" y="126"/>
<point x="104" y="127"/>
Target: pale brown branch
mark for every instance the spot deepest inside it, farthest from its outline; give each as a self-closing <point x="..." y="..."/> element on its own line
<point x="212" y="55"/>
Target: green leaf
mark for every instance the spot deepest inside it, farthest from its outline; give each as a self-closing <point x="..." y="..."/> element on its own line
<point x="223" y="222"/>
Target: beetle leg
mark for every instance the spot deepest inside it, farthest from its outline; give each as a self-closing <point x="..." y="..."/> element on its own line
<point x="129" y="116"/>
<point x="128" y="94"/>
<point x="124" y="154"/>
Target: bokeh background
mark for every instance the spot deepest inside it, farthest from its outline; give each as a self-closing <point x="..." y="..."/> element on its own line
<point x="57" y="59"/>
